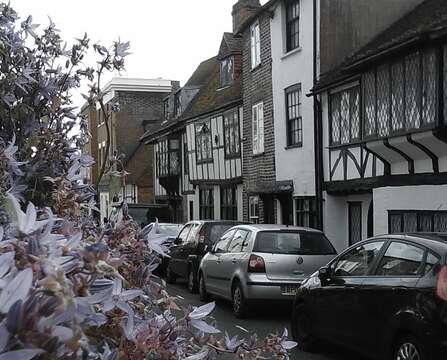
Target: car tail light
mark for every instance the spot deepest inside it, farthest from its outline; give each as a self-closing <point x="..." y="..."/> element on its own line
<point x="441" y="287"/>
<point x="256" y="264"/>
<point x="202" y="235"/>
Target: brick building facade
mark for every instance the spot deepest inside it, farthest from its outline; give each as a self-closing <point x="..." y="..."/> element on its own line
<point x="140" y="109"/>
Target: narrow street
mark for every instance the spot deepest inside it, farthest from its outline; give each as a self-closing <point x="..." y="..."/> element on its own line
<point x="263" y="321"/>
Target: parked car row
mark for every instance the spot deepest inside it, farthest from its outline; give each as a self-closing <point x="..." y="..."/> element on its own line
<point x="384" y="297"/>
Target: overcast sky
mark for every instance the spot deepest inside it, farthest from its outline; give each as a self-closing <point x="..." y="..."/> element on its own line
<point x="169" y="38"/>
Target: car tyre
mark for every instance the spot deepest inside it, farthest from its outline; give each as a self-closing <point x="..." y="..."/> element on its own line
<point x="302" y="331"/>
<point x="170" y="276"/>
<point x="203" y="294"/>
<point x="240" y="303"/>
<point x="410" y="348"/>
<point x="192" y="283"/>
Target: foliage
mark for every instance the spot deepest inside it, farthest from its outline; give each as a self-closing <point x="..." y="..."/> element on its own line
<point x="70" y="288"/>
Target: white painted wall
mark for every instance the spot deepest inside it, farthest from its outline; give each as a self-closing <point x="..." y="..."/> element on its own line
<point x="422" y="197"/>
<point x="296" y="67"/>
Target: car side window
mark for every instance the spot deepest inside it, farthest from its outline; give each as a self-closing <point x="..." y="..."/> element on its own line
<point x="184" y="233"/>
<point x="192" y="237"/>
<point x="401" y="259"/>
<point x="238" y="241"/>
<point x="430" y="262"/>
<point x="222" y="244"/>
<point x="359" y="261"/>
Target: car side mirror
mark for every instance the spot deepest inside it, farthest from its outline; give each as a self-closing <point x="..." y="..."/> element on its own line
<point x="324" y="274"/>
<point x="177" y="241"/>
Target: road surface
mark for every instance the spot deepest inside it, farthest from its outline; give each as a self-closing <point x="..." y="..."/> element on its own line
<point x="264" y="320"/>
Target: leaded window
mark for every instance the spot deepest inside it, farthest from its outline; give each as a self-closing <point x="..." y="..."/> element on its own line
<point x="206" y="204"/>
<point x="293" y="115"/>
<point x="228" y="203"/>
<point x="306" y="212"/>
<point x="292" y="24"/>
<point x="345" y="116"/>
<point x="204" y="148"/>
<point x="232" y="134"/>
<point x="168" y="158"/>
<point x="163" y="159"/>
<point x="226" y="71"/>
<point x="400" y="96"/>
<point x="417" y="221"/>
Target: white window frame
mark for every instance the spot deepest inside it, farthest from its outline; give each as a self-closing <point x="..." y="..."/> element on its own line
<point x="257" y="117"/>
<point x="253" y="209"/>
<point x="255" y="42"/>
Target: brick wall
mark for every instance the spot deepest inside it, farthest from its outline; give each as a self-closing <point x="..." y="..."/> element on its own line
<point x="257" y="86"/>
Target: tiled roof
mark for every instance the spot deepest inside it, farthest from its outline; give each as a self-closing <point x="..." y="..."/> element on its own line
<point x="231" y="45"/>
<point x="202" y="73"/>
<point x="426" y="19"/>
<point x="211" y="97"/>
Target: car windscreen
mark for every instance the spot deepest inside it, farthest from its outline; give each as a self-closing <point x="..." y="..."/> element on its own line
<point x="217" y="230"/>
<point x="170" y="229"/>
<point x="293" y="243"/>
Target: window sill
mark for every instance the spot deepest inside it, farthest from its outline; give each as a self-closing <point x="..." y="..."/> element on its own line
<point x="291" y="52"/>
<point x="295" y="146"/>
<point x="224" y="87"/>
<point x="253" y="69"/>
<point x="205" y="162"/>
<point x="258" y="155"/>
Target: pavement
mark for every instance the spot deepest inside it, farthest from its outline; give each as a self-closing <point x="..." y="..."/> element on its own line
<point x="265" y="319"/>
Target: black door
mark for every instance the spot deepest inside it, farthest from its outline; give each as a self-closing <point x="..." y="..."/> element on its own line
<point x="355" y="222"/>
<point x="269" y="211"/>
<point x="339" y="308"/>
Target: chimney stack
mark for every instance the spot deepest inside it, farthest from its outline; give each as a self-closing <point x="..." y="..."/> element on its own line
<point x="242" y="10"/>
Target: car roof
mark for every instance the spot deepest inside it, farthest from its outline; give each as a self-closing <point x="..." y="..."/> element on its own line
<point x="434" y="241"/>
<point x="215" y="222"/>
<point x="273" y="227"/>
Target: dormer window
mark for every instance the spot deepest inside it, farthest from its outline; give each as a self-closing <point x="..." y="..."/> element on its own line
<point x="177" y="104"/>
<point x="226" y="71"/>
<point x="166" y="109"/>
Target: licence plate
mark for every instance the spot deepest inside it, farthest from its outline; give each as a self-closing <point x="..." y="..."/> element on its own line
<point x="289" y="289"/>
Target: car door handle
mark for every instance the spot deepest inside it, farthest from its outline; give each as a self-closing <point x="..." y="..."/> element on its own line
<point x="400" y="288"/>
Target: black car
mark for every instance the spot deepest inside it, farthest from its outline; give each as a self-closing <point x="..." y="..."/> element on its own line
<point x="190" y="246"/>
<point x="385" y="297"/>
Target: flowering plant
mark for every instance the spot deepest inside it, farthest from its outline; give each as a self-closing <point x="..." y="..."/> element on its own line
<point x="70" y="288"/>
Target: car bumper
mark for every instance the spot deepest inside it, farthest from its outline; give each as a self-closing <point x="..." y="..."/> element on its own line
<point x="257" y="290"/>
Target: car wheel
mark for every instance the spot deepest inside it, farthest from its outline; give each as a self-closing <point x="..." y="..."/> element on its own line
<point x="302" y="331"/>
<point x="409" y="348"/>
<point x="192" y="284"/>
<point x="170" y="276"/>
<point x="239" y="302"/>
<point x="203" y="294"/>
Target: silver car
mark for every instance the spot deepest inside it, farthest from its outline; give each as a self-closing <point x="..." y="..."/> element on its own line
<point x="261" y="262"/>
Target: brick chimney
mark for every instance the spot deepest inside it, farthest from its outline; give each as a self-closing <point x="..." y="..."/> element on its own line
<point x="242" y="10"/>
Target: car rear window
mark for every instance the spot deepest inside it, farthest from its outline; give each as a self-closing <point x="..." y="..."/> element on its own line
<point x="293" y="243"/>
<point x="170" y="229"/>
<point x="217" y="230"/>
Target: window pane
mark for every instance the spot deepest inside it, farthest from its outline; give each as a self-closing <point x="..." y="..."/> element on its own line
<point x="395" y="224"/>
<point x="335" y="118"/>
<point x="369" y="98"/>
<point x="397" y="96"/>
<point x="401" y="259"/>
<point x="412" y="91"/>
<point x="429" y="88"/>
<point x="358" y="262"/>
<point x="355" y="113"/>
<point x="383" y="100"/>
<point x="440" y="222"/>
<point x="410" y="222"/>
